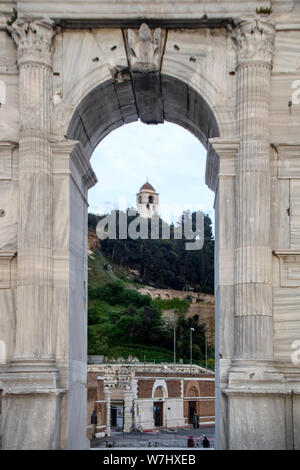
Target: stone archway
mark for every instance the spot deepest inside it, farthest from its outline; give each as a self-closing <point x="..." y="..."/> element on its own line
<point x="160" y="389"/>
<point x="159" y="397"/>
<point x="77" y="80"/>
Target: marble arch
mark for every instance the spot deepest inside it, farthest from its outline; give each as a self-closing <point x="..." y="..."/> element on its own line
<point x="75" y="71"/>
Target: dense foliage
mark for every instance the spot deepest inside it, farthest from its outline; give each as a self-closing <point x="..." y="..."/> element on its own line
<point x="123" y="322"/>
<point x="164" y="263"/>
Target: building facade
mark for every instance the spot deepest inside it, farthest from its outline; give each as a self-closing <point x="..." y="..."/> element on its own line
<point x="150" y="396"/>
<point x="98" y="400"/>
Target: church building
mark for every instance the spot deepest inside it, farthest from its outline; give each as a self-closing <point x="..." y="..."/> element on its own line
<point x="147" y="201"/>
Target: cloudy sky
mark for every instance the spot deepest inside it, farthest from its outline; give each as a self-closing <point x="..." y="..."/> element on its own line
<point x="170" y="157"/>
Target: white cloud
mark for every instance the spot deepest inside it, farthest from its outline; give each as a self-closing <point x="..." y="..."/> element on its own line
<point x="169" y="156"/>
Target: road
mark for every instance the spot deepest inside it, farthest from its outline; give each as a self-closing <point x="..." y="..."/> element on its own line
<point x="163" y="438"/>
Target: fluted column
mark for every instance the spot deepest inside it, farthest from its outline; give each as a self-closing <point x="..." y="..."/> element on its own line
<point x="107" y="395"/>
<point x="34" y="293"/>
<point x="31" y="397"/>
<point x="128" y="402"/>
<point x="254" y="41"/>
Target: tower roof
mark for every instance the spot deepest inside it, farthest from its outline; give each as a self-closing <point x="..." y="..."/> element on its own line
<point x="147" y="187"/>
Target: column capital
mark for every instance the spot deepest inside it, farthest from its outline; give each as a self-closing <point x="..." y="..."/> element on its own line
<point x="33" y="37"/>
<point x="254" y="39"/>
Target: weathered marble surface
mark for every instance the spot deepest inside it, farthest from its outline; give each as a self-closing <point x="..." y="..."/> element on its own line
<point x="175" y="9"/>
<point x="236" y="97"/>
<point x="263" y="413"/>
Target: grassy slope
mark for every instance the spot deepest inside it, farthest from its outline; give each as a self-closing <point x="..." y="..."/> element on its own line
<point x="99" y="275"/>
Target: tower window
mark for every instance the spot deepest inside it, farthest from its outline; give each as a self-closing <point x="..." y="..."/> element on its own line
<point x="150" y="199"/>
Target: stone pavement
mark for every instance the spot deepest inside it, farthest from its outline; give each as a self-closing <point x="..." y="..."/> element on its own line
<point x="163" y="438"/>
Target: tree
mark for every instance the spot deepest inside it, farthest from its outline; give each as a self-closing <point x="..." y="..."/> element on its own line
<point x="164" y="263"/>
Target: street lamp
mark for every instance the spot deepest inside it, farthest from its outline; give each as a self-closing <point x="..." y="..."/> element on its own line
<point x="191" y="345"/>
<point x="206" y="350"/>
<point x="174" y="346"/>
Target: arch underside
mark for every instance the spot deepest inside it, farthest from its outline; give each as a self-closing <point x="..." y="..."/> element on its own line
<point x="112" y="104"/>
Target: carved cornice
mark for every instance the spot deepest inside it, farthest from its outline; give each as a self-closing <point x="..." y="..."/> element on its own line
<point x="227" y="150"/>
<point x="74" y="150"/>
<point x="254" y="39"/>
<point x="288" y="163"/>
<point x="289" y="267"/>
<point x="6" y="150"/>
<point x="6" y="258"/>
<point x="33" y="37"/>
<point x="144" y="49"/>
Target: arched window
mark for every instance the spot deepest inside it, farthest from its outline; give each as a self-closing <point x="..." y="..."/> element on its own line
<point x="160" y="389"/>
<point x="150" y="199"/>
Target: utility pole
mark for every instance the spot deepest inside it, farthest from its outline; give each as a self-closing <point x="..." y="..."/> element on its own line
<point x="191" y="345"/>
<point x="205" y="350"/>
<point x="174" y="346"/>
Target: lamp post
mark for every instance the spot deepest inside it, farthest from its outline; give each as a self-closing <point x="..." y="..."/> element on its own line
<point x="174" y="346"/>
<point x="185" y="288"/>
<point x="191" y="345"/>
<point x="205" y="350"/>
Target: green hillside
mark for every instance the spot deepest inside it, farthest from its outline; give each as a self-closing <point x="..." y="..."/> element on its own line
<point x="162" y="263"/>
<point x="123" y="323"/>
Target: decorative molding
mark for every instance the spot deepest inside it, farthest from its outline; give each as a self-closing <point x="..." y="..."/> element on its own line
<point x="288" y="159"/>
<point x="264" y="392"/>
<point x="289" y="267"/>
<point x="82" y="162"/>
<point x="212" y="168"/>
<point x="60" y="118"/>
<point x="254" y="39"/>
<point x="33" y="37"/>
<point x="74" y="150"/>
<point x="5" y="268"/>
<point x="6" y="150"/>
<point x="227" y="150"/>
<point x="63" y="147"/>
<point x="160" y="383"/>
<point x="144" y="49"/>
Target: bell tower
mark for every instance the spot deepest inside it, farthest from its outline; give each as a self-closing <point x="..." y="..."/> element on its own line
<point x="147" y="201"/>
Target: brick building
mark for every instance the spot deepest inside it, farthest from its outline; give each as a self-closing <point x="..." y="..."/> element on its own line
<point x="97" y="400"/>
<point x="149" y="396"/>
<point x="170" y="399"/>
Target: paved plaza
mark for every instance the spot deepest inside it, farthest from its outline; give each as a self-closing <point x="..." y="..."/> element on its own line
<point x="162" y="438"/>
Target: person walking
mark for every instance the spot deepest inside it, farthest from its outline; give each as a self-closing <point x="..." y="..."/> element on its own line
<point x="205" y="442"/>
